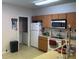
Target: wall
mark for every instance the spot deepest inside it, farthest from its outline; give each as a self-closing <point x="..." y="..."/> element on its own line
<point x="63" y="8"/>
<point x="8" y="12"/>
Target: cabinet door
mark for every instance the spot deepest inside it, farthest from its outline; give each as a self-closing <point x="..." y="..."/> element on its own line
<point x="43" y="43"/>
<point x="40" y="17"/>
<point x="71" y="19"/>
<point x="55" y="16"/>
<point x="47" y="21"/>
<point x="62" y="16"/>
<point x="40" y="43"/>
<point x="37" y="18"/>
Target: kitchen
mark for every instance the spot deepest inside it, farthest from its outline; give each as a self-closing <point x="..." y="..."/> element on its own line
<point x="48" y="31"/>
<point x="41" y="33"/>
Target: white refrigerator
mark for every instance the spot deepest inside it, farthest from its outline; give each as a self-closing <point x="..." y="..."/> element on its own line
<point x="35" y="32"/>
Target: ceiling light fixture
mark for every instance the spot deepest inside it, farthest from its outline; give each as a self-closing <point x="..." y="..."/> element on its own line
<point x="44" y="2"/>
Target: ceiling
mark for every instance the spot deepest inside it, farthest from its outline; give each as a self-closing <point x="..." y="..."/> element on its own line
<point x="29" y="4"/>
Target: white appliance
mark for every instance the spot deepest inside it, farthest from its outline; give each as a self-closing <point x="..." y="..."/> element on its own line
<point x="35" y="32"/>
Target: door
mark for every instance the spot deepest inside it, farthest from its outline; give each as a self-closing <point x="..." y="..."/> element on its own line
<point x="24" y="24"/>
<point x="23" y="30"/>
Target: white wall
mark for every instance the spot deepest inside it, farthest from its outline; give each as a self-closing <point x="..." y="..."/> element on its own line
<point x="8" y="12"/>
<point x="63" y="8"/>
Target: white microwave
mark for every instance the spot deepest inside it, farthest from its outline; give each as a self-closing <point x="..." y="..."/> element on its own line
<point x="59" y="23"/>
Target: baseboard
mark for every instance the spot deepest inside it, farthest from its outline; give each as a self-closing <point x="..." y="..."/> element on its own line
<point x="3" y="52"/>
<point x="34" y="47"/>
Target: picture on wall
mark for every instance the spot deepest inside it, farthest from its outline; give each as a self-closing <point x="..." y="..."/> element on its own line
<point x="14" y="23"/>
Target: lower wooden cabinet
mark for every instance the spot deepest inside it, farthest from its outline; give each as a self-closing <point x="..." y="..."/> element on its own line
<point x="43" y="43"/>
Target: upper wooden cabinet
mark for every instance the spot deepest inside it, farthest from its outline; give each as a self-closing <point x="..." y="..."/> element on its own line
<point x="62" y="16"/>
<point x="54" y="16"/>
<point x="71" y="19"/>
<point x="37" y="18"/>
<point x="58" y="16"/>
<point x="46" y="21"/>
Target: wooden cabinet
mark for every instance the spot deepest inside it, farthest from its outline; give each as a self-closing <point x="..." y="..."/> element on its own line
<point x="46" y="21"/>
<point x="58" y="16"/>
<point x="54" y="16"/>
<point x="37" y="18"/>
<point x="71" y="19"/>
<point x="43" y="43"/>
<point x="62" y="16"/>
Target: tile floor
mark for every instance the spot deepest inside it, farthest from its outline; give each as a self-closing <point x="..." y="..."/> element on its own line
<point x="25" y="53"/>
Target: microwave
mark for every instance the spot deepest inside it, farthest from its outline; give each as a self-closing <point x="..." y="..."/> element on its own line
<point x="59" y="23"/>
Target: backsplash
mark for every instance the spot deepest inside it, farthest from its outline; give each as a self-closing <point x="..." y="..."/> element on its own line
<point x="63" y="34"/>
<point x="57" y="33"/>
<point x="47" y="31"/>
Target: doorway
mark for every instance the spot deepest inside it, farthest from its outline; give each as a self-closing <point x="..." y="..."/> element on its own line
<point x="23" y="31"/>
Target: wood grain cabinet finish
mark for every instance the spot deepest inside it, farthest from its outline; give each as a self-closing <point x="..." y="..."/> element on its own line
<point x="43" y="43"/>
<point x="71" y="19"/>
<point x="54" y="16"/>
<point x="37" y="18"/>
<point x="58" y="16"/>
<point x="62" y="16"/>
<point x="46" y="21"/>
